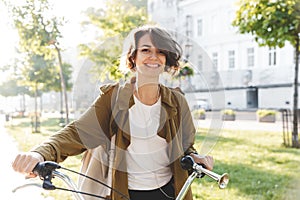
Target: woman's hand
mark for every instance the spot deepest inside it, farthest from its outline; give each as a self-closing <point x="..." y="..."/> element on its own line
<point x="207" y="161"/>
<point x="26" y="161"/>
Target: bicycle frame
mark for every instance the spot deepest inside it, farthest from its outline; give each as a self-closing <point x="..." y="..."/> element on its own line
<point x="187" y="163"/>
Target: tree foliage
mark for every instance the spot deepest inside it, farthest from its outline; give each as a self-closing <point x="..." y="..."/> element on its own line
<point x="39" y="30"/>
<point x="12" y="88"/>
<point x="273" y="23"/>
<point x="36" y="26"/>
<point x="55" y="84"/>
<point x="35" y="29"/>
<point x="114" y="21"/>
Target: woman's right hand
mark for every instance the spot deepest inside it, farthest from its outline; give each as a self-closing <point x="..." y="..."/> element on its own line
<point x="25" y="163"/>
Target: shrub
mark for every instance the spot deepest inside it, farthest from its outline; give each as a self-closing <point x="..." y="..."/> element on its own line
<point x="265" y="112"/>
<point x="228" y="112"/>
<point x="199" y="113"/>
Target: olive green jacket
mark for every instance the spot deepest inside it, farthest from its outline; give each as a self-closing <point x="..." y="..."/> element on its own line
<point x="108" y="116"/>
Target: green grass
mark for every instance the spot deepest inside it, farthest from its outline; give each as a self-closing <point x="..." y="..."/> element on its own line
<point x="260" y="168"/>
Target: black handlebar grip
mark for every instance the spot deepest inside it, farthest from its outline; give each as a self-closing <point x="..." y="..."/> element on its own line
<point x="187" y="162"/>
<point x="36" y="170"/>
<point x="44" y="170"/>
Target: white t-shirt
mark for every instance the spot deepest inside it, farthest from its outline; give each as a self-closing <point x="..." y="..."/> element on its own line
<point x="147" y="156"/>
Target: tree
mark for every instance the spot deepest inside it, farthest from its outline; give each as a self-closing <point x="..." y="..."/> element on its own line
<point x="38" y="30"/>
<point x="273" y="23"/>
<point x="56" y="84"/>
<point x="37" y="73"/>
<point x="12" y="88"/>
<point x="11" y="85"/>
<point x="138" y="3"/>
<point x="115" y="21"/>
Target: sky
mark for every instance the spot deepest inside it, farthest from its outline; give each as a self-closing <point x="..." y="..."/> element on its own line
<point x="7" y="37"/>
<point x="72" y="32"/>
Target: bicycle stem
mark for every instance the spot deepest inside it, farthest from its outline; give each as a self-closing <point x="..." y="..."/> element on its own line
<point x="186" y="186"/>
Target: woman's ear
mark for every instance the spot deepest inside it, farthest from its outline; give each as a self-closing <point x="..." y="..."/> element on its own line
<point x="132" y="60"/>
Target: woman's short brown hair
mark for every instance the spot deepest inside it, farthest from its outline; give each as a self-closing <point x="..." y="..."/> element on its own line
<point x="161" y="39"/>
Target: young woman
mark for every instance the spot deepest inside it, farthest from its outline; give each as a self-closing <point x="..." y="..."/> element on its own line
<point x="151" y="125"/>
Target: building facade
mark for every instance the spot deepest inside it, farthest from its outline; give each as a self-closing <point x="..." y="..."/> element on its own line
<point x="231" y="70"/>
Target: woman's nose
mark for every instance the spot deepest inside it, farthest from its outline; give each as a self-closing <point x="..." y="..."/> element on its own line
<point x="154" y="55"/>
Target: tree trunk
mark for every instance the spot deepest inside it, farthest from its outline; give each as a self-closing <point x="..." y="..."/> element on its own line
<point x="61" y="121"/>
<point x="41" y="104"/>
<point x="24" y="102"/>
<point x="295" y="141"/>
<point x="62" y="81"/>
<point x="22" y="105"/>
<point x="36" y="116"/>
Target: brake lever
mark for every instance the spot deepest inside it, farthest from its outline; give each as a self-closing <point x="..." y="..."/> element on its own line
<point x="44" y="170"/>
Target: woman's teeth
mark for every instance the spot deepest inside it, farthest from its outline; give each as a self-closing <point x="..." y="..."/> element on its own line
<point x="152" y="65"/>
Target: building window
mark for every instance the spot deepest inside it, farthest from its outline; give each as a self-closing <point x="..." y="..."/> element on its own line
<point x="199" y="27"/>
<point x="215" y="60"/>
<point x="189" y="25"/>
<point x="272" y="56"/>
<point x="231" y="59"/>
<point x="200" y="62"/>
<point x="250" y="57"/>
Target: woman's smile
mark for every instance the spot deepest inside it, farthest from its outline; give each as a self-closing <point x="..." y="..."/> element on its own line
<point x="152" y="65"/>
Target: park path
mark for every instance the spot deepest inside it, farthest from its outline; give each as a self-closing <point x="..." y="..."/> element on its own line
<point x="9" y="178"/>
<point x="240" y="125"/>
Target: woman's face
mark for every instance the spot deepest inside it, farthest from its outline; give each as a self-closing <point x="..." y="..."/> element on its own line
<point x="149" y="60"/>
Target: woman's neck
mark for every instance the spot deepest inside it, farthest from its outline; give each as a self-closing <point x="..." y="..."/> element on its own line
<point x="148" y="94"/>
<point x="147" y="89"/>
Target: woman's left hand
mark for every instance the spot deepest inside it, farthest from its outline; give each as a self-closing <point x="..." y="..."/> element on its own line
<point x="207" y="161"/>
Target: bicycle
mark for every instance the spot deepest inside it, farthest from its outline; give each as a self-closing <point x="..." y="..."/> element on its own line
<point x="48" y="170"/>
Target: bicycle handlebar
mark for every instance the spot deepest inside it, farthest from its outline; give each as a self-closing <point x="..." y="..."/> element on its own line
<point x="47" y="170"/>
<point x="188" y="163"/>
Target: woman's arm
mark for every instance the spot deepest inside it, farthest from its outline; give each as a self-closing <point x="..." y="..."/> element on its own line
<point x="89" y="131"/>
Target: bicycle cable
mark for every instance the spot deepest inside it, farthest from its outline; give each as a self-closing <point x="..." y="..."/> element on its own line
<point x="84" y="193"/>
<point x="97" y="181"/>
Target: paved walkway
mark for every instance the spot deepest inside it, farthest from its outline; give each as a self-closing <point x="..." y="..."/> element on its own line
<point x="9" y="178"/>
<point x="240" y="125"/>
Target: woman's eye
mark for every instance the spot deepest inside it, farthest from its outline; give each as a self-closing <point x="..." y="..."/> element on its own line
<point x="162" y="52"/>
<point x="145" y="50"/>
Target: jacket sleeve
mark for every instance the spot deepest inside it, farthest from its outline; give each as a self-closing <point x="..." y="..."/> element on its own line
<point x="89" y="131"/>
<point x="59" y="146"/>
<point x="187" y="125"/>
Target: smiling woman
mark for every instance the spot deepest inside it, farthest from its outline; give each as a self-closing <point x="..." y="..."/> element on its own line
<point x="151" y="123"/>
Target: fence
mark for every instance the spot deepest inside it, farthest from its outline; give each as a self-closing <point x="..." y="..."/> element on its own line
<point x="287" y="125"/>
